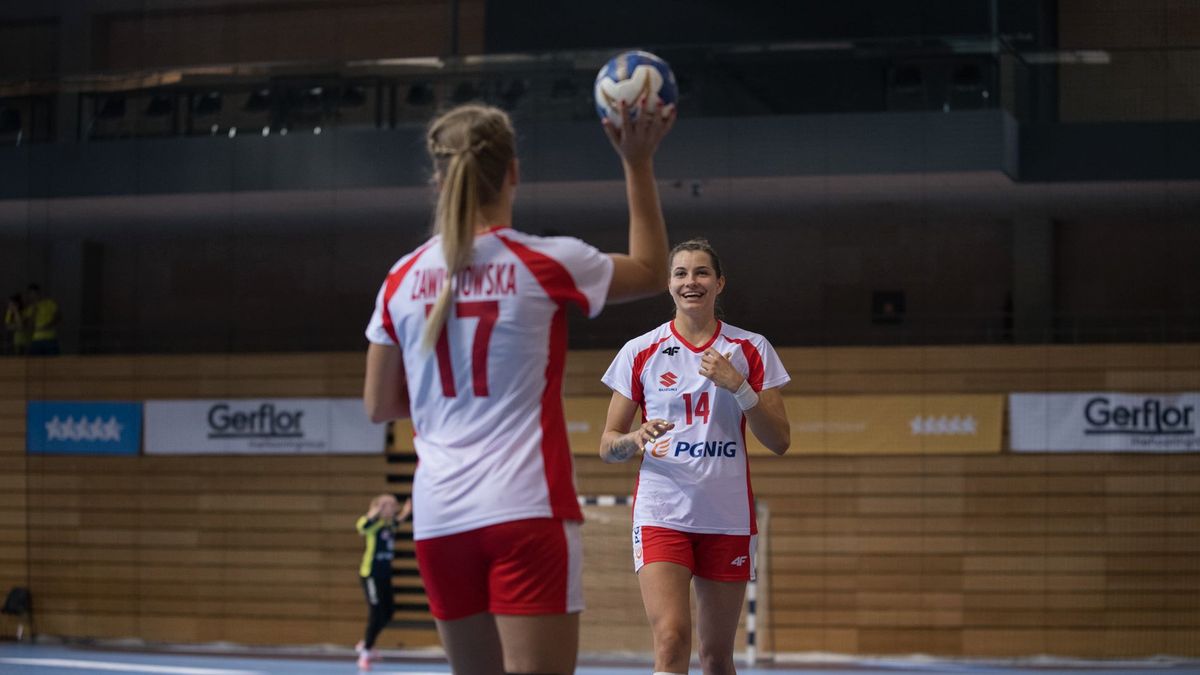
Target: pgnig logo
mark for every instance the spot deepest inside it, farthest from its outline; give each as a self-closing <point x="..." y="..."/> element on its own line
<point x="705" y="449"/>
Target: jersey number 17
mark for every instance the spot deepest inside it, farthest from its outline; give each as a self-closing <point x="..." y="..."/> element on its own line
<point x="485" y="312"/>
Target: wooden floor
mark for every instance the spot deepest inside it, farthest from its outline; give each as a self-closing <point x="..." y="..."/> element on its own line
<point x="73" y="660"/>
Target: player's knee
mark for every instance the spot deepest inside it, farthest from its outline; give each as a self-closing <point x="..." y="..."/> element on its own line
<point x="716" y="663"/>
<point x="672" y="639"/>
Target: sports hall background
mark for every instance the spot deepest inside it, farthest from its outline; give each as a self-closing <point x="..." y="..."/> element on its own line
<point x="921" y="198"/>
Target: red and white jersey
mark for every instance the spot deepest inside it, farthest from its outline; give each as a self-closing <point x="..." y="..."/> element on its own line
<point x="697" y="477"/>
<point x="486" y="402"/>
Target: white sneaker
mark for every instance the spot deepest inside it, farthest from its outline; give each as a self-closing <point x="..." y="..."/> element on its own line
<point x="364" y="661"/>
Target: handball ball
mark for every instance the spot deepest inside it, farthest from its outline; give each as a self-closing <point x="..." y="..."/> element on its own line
<point x="628" y="77"/>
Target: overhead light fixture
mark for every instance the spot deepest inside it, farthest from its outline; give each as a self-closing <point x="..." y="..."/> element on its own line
<point x="260" y="100"/>
<point x="312" y="98"/>
<point x="1084" y="57"/>
<point x="208" y="103"/>
<point x="413" y="62"/>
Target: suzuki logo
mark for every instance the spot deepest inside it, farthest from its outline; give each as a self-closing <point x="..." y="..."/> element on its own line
<point x="670" y="351"/>
<point x="668" y="379"/>
<point x="660" y="448"/>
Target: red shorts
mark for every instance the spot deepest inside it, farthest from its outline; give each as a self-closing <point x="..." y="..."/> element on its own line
<point x="522" y="567"/>
<point x="720" y="557"/>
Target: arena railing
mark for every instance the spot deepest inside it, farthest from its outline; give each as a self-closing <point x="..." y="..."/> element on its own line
<point x="918" y="73"/>
<point x="928" y="330"/>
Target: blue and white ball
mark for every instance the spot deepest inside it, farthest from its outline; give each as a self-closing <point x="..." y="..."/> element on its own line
<point x="628" y="77"/>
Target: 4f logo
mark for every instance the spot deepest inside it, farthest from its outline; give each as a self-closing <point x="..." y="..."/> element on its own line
<point x="670" y="351"/>
<point x="739" y="561"/>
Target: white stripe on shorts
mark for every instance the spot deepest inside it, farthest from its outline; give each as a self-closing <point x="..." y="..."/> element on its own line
<point x="574" y="537"/>
<point x="637" y="549"/>
<point x="753" y="552"/>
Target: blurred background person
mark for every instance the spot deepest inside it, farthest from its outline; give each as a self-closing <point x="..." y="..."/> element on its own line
<point x="378" y="526"/>
<point x="41" y="315"/>
<point x="16" y="328"/>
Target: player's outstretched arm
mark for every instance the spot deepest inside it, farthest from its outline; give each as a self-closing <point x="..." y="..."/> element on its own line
<point x="385" y="391"/>
<point x="618" y="443"/>
<point x="643" y="271"/>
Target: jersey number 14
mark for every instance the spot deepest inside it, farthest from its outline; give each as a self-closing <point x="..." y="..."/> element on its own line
<point x="700" y="410"/>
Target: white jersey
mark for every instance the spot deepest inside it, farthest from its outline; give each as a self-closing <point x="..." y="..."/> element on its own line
<point x="486" y="402"/>
<point x="697" y="477"/>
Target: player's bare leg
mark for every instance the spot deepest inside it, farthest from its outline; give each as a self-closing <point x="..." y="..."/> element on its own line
<point x="666" y="592"/>
<point x="719" y="605"/>
<point x="472" y="645"/>
<point x="546" y="644"/>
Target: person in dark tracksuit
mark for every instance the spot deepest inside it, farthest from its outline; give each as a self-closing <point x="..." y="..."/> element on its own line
<point x="378" y="527"/>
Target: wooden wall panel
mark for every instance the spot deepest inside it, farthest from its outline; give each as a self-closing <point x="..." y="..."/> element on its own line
<point x="248" y="549"/>
<point x="954" y="370"/>
<point x="1076" y="554"/>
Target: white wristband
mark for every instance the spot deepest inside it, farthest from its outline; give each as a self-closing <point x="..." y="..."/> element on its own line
<point x="746" y="397"/>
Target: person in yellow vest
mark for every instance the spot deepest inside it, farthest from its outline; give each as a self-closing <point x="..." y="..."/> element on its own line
<point x="378" y="526"/>
<point x="41" y="314"/>
<point x="15" y="325"/>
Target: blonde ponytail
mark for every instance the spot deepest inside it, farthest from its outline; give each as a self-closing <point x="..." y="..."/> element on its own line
<point x="471" y="147"/>
<point x="456" y="212"/>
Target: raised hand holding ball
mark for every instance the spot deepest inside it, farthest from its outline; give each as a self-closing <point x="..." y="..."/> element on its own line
<point x="637" y="79"/>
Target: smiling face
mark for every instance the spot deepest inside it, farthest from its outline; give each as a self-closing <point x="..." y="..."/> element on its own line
<point x="694" y="283"/>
